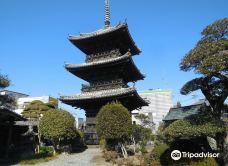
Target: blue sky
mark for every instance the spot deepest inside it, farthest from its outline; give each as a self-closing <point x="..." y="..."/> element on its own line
<point x="34" y="44"/>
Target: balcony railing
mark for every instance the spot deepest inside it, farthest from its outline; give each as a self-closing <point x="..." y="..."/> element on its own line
<point x="118" y="83"/>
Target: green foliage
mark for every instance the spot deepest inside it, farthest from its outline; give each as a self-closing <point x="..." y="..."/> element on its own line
<point x="46" y="150"/>
<point x="114" y="122"/>
<point x="195" y="127"/>
<point x="102" y="143"/>
<point x="35" y="109"/>
<point x="210" y="58"/>
<point x="160" y="137"/>
<point x="204" y="162"/>
<point x="145" y="120"/>
<point x="5" y="100"/>
<point x="4" y="81"/>
<point x="37" y="158"/>
<point x="53" y="102"/>
<point x="159" y="150"/>
<point x="142" y="135"/>
<point x="210" y="54"/>
<point x="58" y="125"/>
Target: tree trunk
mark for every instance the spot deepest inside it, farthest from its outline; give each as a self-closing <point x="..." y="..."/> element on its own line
<point x="220" y="139"/>
<point x="55" y="146"/>
<point x="134" y="144"/>
<point x="124" y="152"/>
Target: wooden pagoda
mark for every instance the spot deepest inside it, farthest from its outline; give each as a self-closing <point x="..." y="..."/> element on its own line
<point x="108" y="69"/>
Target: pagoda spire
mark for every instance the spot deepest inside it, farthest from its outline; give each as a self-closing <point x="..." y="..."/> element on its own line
<point x="107" y="14"/>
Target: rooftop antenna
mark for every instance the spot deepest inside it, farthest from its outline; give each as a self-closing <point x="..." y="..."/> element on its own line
<point x="107" y="14"/>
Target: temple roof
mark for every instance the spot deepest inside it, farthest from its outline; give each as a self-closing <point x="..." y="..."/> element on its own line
<point x="183" y="112"/>
<point x="128" y="97"/>
<point x="124" y="64"/>
<point x="99" y="94"/>
<point x="107" y="38"/>
<point x="7" y="115"/>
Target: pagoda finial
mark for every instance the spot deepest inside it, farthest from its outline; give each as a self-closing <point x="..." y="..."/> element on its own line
<point x="107" y="14"/>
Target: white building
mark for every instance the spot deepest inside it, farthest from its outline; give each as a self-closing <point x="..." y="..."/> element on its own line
<point x="160" y="103"/>
<point x="22" y="102"/>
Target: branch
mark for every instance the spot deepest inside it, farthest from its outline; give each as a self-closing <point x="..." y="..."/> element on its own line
<point x="191" y="86"/>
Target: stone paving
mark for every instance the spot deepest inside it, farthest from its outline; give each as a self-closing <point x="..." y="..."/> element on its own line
<point x="90" y="157"/>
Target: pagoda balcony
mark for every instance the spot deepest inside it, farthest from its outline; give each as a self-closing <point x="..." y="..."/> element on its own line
<point x="103" y="55"/>
<point x="103" y="85"/>
<point x="122" y="66"/>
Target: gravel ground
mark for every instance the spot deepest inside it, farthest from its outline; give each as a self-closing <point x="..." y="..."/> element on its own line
<point x="90" y="157"/>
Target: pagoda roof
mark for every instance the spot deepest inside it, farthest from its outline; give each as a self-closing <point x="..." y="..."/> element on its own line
<point x="131" y="72"/>
<point x="109" y="38"/>
<point x="89" y="100"/>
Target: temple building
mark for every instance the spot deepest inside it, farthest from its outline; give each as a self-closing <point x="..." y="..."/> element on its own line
<point x="108" y="69"/>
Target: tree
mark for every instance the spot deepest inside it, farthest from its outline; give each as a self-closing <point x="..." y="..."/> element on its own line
<point x="141" y="135"/>
<point x="209" y="58"/>
<point x="114" y="124"/>
<point x="58" y="125"/>
<point x="195" y="126"/>
<point x="4" y="81"/>
<point x="145" y="120"/>
<point x="36" y="109"/>
<point x="5" y="100"/>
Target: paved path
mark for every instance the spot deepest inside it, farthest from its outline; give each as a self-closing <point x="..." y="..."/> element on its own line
<point x="90" y="157"/>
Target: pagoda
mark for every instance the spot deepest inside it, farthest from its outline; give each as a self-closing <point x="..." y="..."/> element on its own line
<point x="108" y="69"/>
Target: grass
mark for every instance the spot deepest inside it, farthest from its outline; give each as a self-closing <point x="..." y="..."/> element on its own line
<point x="38" y="158"/>
<point x="45" y="155"/>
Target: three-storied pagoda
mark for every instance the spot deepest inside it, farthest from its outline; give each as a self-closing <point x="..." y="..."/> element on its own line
<point x="108" y="69"/>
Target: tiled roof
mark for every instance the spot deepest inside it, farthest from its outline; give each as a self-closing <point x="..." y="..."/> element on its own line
<point x="119" y="36"/>
<point x="103" y="61"/>
<point x="6" y="111"/>
<point x="182" y="112"/>
<point x="98" y="32"/>
<point x="99" y="94"/>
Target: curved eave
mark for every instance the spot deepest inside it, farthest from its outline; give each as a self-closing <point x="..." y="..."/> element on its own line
<point x="85" y="40"/>
<point x="131" y="70"/>
<point x="127" y="96"/>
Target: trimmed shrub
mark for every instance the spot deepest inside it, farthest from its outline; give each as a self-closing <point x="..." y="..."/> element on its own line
<point x="159" y="150"/>
<point x="58" y="125"/>
<point x="114" y="122"/>
<point x="194" y="127"/>
<point x="35" y="109"/>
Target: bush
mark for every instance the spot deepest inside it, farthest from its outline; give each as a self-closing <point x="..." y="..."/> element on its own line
<point x="204" y="162"/>
<point x="159" y="150"/>
<point x="195" y="127"/>
<point x="47" y="150"/>
<point x="102" y="143"/>
<point x="114" y="122"/>
<point x="110" y="156"/>
<point x="35" y="109"/>
<point x="57" y="125"/>
<point x="143" y="150"/>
